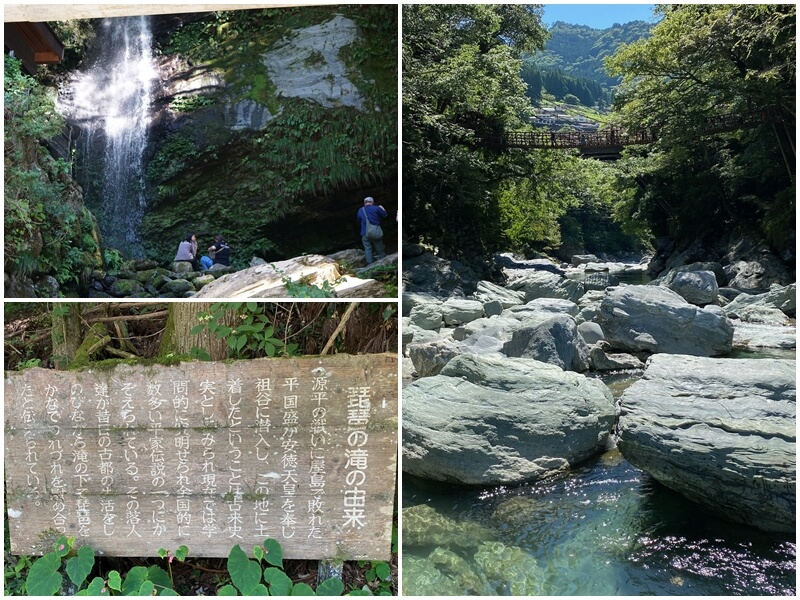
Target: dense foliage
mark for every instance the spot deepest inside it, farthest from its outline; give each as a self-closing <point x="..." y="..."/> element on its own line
<point x="47" y="228"/>
<point x="461" y="81"/>
<point x="703" y="61"/>
<point x="579" y="51"/>
<point x="587" y="92"/>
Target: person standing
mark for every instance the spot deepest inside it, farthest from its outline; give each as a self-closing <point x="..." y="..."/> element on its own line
<point x="370" y="217"/>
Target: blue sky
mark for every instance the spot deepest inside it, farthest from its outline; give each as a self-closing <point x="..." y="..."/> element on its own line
<point x="598" y="16"/>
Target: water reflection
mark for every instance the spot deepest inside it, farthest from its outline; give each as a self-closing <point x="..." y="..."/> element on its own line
<point x="605" y="529"/>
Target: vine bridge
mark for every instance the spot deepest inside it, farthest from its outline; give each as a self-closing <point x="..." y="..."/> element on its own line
<point x="607" y="144"/>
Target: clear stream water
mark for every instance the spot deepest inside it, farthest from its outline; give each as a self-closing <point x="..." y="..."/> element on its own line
<point x="606" y="528"/>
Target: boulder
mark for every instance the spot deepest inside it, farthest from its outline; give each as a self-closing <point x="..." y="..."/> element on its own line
<point x="181" y="266"/>
<point x="202" y="281"/>
<point x="778" y="297"/>
<point x="269" y="281"/>
<point x="488" y="291"/>
<point x="544" y="284"/>
<point x="715" y="267"/>
<point x="457" y="311"/>
<point x="591" y="332"/>
<point x="412" y="333"/>
<point x="555" y="341"/>
<point x="757" y="313"/>
<point x="429" y="357"/>
<point x="582" y="259"/>
<point x="492" y="308"/>
<point x="177" y="287"/>
<point x="487" y="420"/>
<point x="696" y="287"/>
<point x="426" y="316"/>
<point x="656" y="319"/>
<point x="126" y="287"/>
<point x="757" y="336"/>
<point x="603" y="361"/>
<point x="719" y="431"/>
<point x="412" y="299"/>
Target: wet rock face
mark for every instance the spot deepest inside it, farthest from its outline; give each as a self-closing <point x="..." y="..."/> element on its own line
<point x="720" y="432"/>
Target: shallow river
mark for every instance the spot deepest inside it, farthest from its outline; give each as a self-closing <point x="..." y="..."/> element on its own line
<point x="606" y="528"/>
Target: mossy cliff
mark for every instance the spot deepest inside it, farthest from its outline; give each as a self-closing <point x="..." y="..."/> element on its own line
<point x="270" y="127"/>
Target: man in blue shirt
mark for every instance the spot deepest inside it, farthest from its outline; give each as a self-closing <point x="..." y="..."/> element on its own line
<point x="370" y="217"/>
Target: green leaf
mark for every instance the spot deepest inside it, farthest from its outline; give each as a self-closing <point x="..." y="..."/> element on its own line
<point x="227" y="590"/>
<point x="279" y="582"/>
<point x="181" y="553"/>
<point x="114" y="581"/>
<point x="330" y="587"/>
<point x="258" y="552"/>
<point x="223" y="331"/>
<point x="269" y="349"/>
<point x="43" y="580"/>
<point x="197" y="329"/>
<point x="163" y="552"/>
<point x="168" y="592"/>
<point x="241" y="342"/>
<point x="258" y="327"/>
<point x="259" y="590"/>
<point x="269" y="331"/>
<point x="79" y="567"/>
<point x="245" y="573"/>
<point x="234" y="306"/>
<point x="360" y="593"/>
<point x="146" y="589"/>
<point x="252" y="306"/>
<point x="159" y="577"/>
<point x="302" y="589"/>
<point x="133" y="581"/>
<point x="274" y="552"/>
<point x="383" y="570"/>
<point x="97" y="588"/>
<point x="63" y="546"/>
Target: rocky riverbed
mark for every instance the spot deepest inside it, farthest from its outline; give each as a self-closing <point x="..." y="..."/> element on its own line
<point x="502" y="380"/>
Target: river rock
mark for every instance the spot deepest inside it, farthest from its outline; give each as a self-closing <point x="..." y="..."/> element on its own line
<point x="423" y="525"/>
<point x="783" y="298"/>
<point x="430" y="357"/>
<point x="412" y="333"/>
<point x="126" y="287"/>
<point x="603" y="361"/>
<point x="591" y="333"/>
<point x="719" y="431"/>
<point x="182" y="266"/>
<point x="582" y="259"/>
<point x="544" y="284"/>
<point x="493" y="308"/>
<point x="177" y="287"/>
<point x="486" y="420"/>
<point x="696" y="287"/>
<point x="456" y="311"/>
<point x="488" y="291"/>
<point x="412" y="299"/>
<point x="426" y="316"/>
<point x="555" y="341"/>
<point x="757" y="336"/>
<point x="656" y="319"/>
<point x="202" y="281"/>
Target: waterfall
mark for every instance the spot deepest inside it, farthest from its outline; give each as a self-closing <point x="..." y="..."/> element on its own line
<point x="110" y="101"/>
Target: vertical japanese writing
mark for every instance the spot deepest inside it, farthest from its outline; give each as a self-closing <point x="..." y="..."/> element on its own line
<point x="263" y="474"/>
<point x="208" y="469"/>
<point x="31" y="455"/>
<point x="80" y="458"/>
<point x="183" y="507"/>
<point x="56" y="453"/>
<point x="133" y="513"/>
<point x="358" y="411"/>
<point x="289" y="457"/>
<point x="234" y="496"/>
<point x="317" y="469"/>
<point x="155" y="445"/>
<point x="105" y="458"/>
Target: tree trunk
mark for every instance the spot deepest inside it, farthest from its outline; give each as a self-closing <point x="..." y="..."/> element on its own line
<point x="66" y="332"/>
<point x="178" y="339"/>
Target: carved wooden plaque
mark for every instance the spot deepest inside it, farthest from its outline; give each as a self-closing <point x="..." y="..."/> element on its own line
<point x="206" y="454"/>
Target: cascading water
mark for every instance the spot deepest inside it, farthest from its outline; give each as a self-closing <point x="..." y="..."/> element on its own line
<point x="110" y="102"/>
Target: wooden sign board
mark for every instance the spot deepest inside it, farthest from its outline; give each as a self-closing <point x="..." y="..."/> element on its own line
<point x="205" y="454"/>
